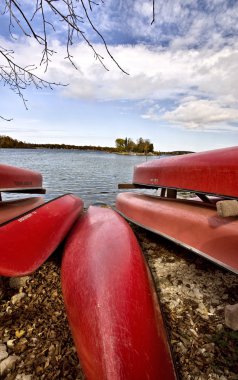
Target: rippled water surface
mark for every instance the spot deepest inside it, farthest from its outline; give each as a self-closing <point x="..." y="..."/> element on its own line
<point x="93" y="176"/>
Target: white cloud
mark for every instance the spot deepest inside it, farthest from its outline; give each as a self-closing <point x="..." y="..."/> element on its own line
<point x="154" y="74"/>
<point x="180" y="23"/>
<point x="207" y="76"/>
<point x="143" y="8"/>
<point x="153" y="112"/>
<point x="200" y="114"/>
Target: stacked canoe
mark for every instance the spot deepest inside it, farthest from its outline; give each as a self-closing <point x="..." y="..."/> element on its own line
<point x="110" y="299"/>
<point x="206" y="222"/>
<point x="30" y="228"/>
<point x="13" y="179"/>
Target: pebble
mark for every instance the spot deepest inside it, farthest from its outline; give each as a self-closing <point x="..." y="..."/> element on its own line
<point x="231" y="316"/>
<point x="17" y="298"/>
<point x="22" y="376"/>
<point x="181" y="348"/>
<point x="145" y="245"/>
<point x="18" y="282"/>
<point x="10" y="343"/>
<point x="209" y="347"/>
<point x="3" y="352"/>
<point x="8" y="363"/>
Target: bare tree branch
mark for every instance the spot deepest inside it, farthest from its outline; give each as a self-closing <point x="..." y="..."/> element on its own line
<point x="38" y="24"/>
<point x="18" y="78"/>
<point x="66" y="11"/>
<point x="1" y="117"/>
<point x="70" y="13"/>
<point x="153" y="10"/>
<point x="102" y="38"/>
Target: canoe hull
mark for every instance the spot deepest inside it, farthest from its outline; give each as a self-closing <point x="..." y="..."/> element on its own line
<point x="212" y="172"/>
<point x="190" y="224"/>
<point x="28" y="240"/>
<point x="19" y="179"/>
<point x="13" y="208"/>
<point x="111" y="302"/>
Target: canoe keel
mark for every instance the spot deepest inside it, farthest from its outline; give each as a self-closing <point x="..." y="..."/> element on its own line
<point x="111" y="302"/>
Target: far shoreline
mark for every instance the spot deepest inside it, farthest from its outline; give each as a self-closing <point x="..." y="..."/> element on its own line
<point x="102" y="150"/>
<point x="7" y="142"/>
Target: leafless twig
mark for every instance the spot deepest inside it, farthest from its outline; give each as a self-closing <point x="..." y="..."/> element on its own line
<point x="38" y="20"/>
<point x="18" y="78"/>
<point x="153" y="10"/>
<point x="4" y="118"/>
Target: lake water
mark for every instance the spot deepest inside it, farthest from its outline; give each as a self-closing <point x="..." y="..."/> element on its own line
<point x="94" y="176"/>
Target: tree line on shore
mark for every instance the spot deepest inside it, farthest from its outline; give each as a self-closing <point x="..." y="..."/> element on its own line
<point x="143" y="146"/>
<point x="8" y="142"/>
<point x="125" y="146"/>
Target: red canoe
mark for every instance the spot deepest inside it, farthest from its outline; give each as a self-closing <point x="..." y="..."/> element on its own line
<point x="189" y="223"/>
<point x="213" y="172"/>
<point x="30" y="237"/>
<point x="19" y="180"/>
<point x="13" y="208"/>
<point x="111" y="303"/>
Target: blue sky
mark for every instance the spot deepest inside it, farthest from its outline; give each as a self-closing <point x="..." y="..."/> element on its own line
<point x="182" y="91"/>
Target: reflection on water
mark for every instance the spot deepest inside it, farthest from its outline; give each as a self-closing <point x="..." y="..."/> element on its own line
<point x="93" y="176"/>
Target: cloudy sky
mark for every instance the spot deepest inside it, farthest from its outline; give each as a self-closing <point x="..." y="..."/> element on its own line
<point x="181" y="91"/>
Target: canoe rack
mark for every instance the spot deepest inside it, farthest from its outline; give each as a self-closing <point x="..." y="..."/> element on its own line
<point x="166" y="192"/>
<point x="25" y="190"/>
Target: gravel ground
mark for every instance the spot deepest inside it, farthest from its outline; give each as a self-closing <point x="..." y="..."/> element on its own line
<point x="193" y="294"/>
<point x="35" y="341"/>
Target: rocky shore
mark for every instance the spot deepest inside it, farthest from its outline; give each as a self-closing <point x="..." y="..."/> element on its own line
<point x="35" y="341"/>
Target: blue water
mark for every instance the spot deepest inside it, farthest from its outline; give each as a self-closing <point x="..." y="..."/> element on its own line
<point x="94" y="176"/>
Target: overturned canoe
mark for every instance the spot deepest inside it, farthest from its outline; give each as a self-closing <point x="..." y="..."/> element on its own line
<point x="15" y="179"/>
<point x="13" y="208"/>
<point x="28" y="235"/>
<point x="213" y="172"/>
<point x="189" y="223"/>
<point x="111" y="303"/>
